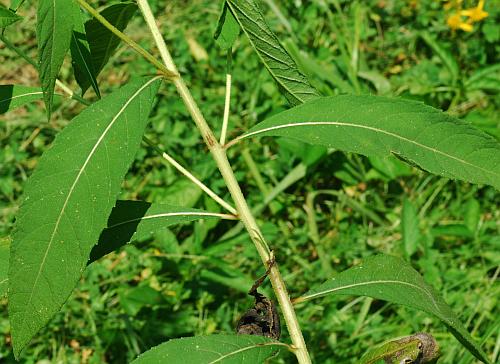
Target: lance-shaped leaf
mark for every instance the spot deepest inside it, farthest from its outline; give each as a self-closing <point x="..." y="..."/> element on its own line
<point x="83" y="67"/>
<point x="392" y="279"/>
<point x="102" y="42"/>
<point x="67" y="202"/>
<point x="380" y="126"/>
<point x="132" y="220"/>
<point x="4" y="266"/>
<point x="14" y="96"/>
<point x="291" y="82"/>
<point x="224" y="349"/>
<point x="53" y="32"/>
<point x="227" y="30"/>
<point x="7" y="17"/>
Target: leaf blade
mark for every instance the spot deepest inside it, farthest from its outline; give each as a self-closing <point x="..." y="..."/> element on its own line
<point x="392" y="279"/>
<point x="14" y="96"/>
<point x="7" y="17"/>
<point x="380" y="126"/>
<point x="66" y="203"/>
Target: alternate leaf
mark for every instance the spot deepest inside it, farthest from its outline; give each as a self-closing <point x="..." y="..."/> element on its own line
<point x="224" y="349"/>
<point x="67" y="202"/>
<point x="291" y="82"/>
<point x="132" y="220"/>
<point x="14" y="96"/>
<point x="102" y="42"/>
<point x="53" y="32"/>
<point x="4" y="266"/>
<point x="7" y="17"/>
<point x="391" y="279"/>
<point x="83" y="67"/>
<point x="227" y="30"/>
<point x="380" y="126"/>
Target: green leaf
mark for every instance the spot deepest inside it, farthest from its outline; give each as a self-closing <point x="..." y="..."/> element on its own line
<point x="224" y="349"/>
<point x="14" y="96"/>
<point x="7" y="17"/>
<point x="444" y="54"/>
<point x="487" y="78"/>
<point x="102" y="42"/>
<point x="227" y="30"/>
<point x="391" y="279"/>
<point x="4" y="266"/>
<point x="380" y="126"/>
<point x="291" y="82"/>
<point x="83" y="67"/>
<point x="53" y="32"/>
<point x="409" y="225"/>
<point x="67" y="202"/>
<point x="133" y="220"/>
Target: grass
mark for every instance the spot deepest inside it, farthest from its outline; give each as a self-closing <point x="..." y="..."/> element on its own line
<point x="192" y="279"/>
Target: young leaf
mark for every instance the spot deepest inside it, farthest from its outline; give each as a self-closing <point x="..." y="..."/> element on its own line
<point x="291" y="82"/>
<point x="14" y="96"/>
<point x="224" y="349"/>
<point x="409" y="225"/>
<point x="83" y="67"/>
<point x="67" y="202"/>
<point x="4" y="266"/>
<point x="7" y="17"/>
<point x="102" y="42"/>
<point x="227" y="30"/>
<point x="131" y="220"/>
<point x="380" y="126"/>
<point x="53" y="32"/>
<point x="391" y="279"/>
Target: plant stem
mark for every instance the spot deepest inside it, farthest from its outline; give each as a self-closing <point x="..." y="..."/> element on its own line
<point x="245" y="214"/>
<point x="227" y="104"/>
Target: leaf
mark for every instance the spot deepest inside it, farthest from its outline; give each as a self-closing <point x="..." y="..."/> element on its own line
<point x="67" y="202"/>
<point x="4" y="266"/>
<point x="291" y="82"/>
<point x="227" y="30"/>
<point x="391" y="279"/>
<point x="380" y="126"/>
<point x="409" y="225"/>
<point x="7" y="17"/>
<point x="134" y="220"/>
<point x="83" y="68"/>
<point x="53" y="32"/>
<point x="102" y="42"/>
<point x="224" y="349"/>
<point x="14" y="96"/>
<point x="486" y="78"/>
<point x="444" y="54"/>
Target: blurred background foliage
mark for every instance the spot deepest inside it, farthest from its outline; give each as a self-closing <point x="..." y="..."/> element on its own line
<point x="321" y="210"/>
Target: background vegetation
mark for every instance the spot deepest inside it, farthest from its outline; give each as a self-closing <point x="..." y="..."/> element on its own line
<point x="325" y="211"/>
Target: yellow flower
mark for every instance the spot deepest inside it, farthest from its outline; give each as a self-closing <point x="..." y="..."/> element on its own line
<point x="454" y="21"/>
<point x="477" y="13"/>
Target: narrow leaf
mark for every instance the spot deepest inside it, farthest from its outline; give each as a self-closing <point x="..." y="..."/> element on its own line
<point x="54" y="27"/>
<point x="291" y="82"/>
<point x="67" y="202"/>
<point x="410" y="230"/>
<point x="380" y="126"/>
<point x="224" y="349"/>
<point x="227" y="30"/>
<point x="102" y="42"/>
<point x="7" y="17"/>
<point x="132" y="220"/>
<point x="4" y="266"/>
<point x="14" y="96"/>
<point x="83" y="67"/>
<point x="391" y="279"/>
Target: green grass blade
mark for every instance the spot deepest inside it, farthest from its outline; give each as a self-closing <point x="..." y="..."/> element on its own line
<point x="131" y="220"/>
<point x="379" y="126"/>
<point x="102" y="42"/>
<point x="67" y="202"/>
<point x="291" y="82"/>
<point x="7" y="17"/>
<point x="53" y="32"/>
<point x="391" y="279"/>
<point x="223" y="349"/>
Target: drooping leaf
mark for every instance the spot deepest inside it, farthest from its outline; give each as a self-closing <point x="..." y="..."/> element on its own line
<point x="391" y="279"/>
<point x="224" y="349"/>
<point x="83" y="67"/>
<point x="291" y="82"/>
<point x="4" y="265"/>
<point x="53" y="32"/>
<point x="380" y="126"/>
<point x="131" y="220"/>
<point x="14" y="96"/>
<point x="67" y="202"/>
<point x="102" y="42"/>
<point x="7" y="17"/>
<point x="409" y="227"/>
<point x="227" y="30"/>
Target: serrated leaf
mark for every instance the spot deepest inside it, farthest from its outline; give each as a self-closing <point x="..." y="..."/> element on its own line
<point x="4" y="266"/>
<point x="391" y="279"/>
<point x="83" y="67"/>
<point x="380" y="126"/>
<point x="53" y="32"/>
<point x="224" y="349"/>
<point x="14" y="96"/>
<point x="7" y="17"/>
<point x="102" y="42"/>
<point x="132" y="220"/>
<point x="67" y="202"/>
<point x="291" y="82"/>
<point x="227" y="30"/>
